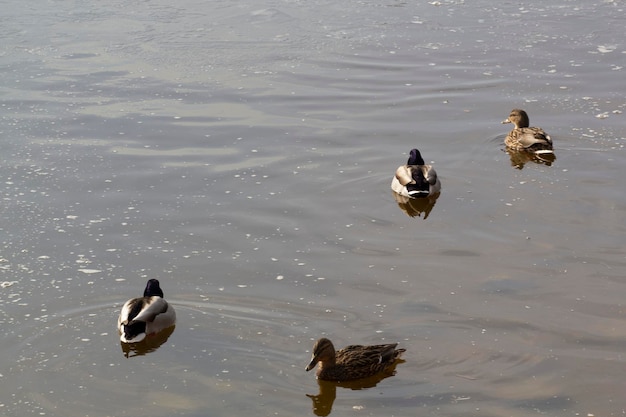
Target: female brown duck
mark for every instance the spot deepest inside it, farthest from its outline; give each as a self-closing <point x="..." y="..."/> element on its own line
<point x="525" y="138"/>
<point x="351" y="362"/>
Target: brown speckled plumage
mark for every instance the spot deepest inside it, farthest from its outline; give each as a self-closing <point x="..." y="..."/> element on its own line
<point x="351" y="362"/>
<point x="525" y="138"/>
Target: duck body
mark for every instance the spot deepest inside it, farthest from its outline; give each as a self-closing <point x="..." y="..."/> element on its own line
<point x="145" y="315"/>
<point x="526" y="138"/>
<point x="352" y="362"/>
<point x="416" y="179"/>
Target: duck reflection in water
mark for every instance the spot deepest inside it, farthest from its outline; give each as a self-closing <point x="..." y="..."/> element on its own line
<point x="521" y="158"/>
<point x="147" y="345"/>
<point x="414" y="207"/>
<point x="323" y="401"/>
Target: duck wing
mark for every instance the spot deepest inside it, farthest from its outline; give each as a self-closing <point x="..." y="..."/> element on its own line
<point x="429" y="174"/>
<point x="530" y="137"/>
<point x="404" y="175"/>
<point x="372" y="357"/>
<point x="419" y="184"/>
<point x="142" y="309"/>
<point x="151" y="308"/>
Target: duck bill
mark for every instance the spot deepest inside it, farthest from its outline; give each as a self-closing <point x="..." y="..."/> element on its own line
<point x="311" y="364"/>
<point x="505" y="121"/>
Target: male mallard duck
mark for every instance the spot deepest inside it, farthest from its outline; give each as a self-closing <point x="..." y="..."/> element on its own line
<point x="525" y="138"/>
<point x="145" y="315"/>
<point x="415" y="179"/>
<point x="351" y="362"/>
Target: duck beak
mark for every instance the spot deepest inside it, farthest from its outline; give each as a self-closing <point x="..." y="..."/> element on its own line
<point x="311" y="364"/>
<point x="505" y="121"/>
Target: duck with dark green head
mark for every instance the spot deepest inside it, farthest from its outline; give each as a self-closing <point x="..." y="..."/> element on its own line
<point x="142" y="316"/>
<point x="416" y="179"/>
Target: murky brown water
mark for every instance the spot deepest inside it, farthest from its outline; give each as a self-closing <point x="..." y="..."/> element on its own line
<point x="242" y="155"/>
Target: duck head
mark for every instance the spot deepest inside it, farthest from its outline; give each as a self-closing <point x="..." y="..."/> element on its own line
<point x="518" y="117"/>
<point x="323" y="351"/>
<point x="415" y="158"/>
<point x="153" y="288"/>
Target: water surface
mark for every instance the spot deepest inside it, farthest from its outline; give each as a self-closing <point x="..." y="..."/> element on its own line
<point x="242" y="155"/>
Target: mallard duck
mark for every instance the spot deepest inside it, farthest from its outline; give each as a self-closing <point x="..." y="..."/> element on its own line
<point x="525" y="138"/>
<point x="145" y="315"/>
<point x="351" y="362"/>
<point x="415" y="179"/>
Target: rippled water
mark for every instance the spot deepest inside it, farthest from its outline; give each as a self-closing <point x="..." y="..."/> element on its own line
<point x="242" y="155"/>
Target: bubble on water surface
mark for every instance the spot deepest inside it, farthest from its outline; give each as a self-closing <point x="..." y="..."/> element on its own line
<point x="89" y="271"/>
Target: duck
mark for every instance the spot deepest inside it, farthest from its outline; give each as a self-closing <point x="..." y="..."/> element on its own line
<point x="525" y="138"/>
<point x="352" y="362"/>
<point x="145" y="315"/>
<point x="416" y="179"/>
